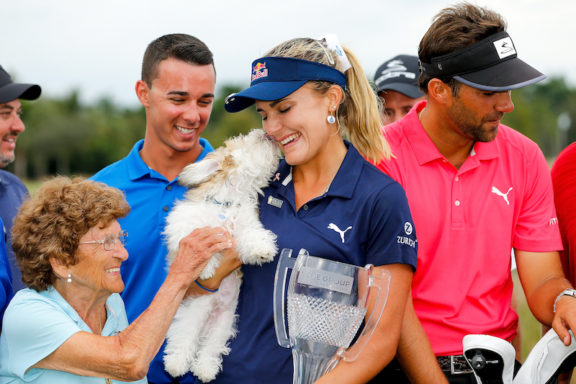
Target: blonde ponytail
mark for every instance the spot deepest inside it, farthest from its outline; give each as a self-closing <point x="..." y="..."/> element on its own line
<point x="360" y="114"/>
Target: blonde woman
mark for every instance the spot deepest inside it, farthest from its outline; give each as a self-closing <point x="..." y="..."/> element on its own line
<point x="316" y="103"/>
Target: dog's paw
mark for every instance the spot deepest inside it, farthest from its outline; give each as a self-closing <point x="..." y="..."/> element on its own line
<point x="211" y="267"/>
<point x="266" y="252"/>
<point x="260" y="249"/>
<point x="206" y="368"/>
<point x="265" y="249"/>
<point x="175" y="364"/>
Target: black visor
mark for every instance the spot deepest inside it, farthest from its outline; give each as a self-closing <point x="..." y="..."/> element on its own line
<point x="491" y="64"/>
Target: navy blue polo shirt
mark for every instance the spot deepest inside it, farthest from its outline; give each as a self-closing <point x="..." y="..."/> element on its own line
<point x="151" y="197"/>
<point x="363" y="219"/>
<point x="12" y="193"/>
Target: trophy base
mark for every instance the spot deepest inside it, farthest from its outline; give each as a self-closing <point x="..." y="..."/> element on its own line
<point x="310" y="367"/>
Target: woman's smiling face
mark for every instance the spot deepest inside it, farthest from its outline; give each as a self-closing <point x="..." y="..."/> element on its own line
<point x="298" y="123"/>
<point x="97" y="269"/>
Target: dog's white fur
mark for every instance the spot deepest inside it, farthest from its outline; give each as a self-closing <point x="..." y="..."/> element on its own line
<point x="226" y="187"/>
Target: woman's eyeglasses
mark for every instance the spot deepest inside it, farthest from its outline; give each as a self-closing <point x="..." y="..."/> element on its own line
<point x="109" y="242"/>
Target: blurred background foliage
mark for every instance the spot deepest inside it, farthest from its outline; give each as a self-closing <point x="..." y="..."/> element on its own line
<point x="67" y="137"/>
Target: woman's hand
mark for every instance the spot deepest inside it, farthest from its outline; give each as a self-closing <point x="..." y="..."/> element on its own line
<point x="228" y="263"/>
<point x="197" y="248"/>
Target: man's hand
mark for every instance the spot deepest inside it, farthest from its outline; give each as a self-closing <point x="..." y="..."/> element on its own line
<point x="565" y="317"/>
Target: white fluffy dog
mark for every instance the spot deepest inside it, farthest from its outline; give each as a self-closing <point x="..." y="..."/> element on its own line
<point x="225" y="192"/>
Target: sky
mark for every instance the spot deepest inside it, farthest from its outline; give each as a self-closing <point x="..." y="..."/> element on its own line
<point x="96" y="47"/>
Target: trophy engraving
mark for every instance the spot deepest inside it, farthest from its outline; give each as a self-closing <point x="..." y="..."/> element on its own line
<point x="325" y="279"/>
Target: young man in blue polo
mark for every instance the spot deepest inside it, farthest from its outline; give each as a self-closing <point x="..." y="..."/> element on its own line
<point x="176" y="91"/>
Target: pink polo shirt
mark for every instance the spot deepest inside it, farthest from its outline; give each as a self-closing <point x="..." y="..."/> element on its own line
<point x="467" y="221"/>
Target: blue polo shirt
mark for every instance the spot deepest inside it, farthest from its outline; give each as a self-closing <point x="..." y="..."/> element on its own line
<point x="151" y="197"/>
<point x="12" y="193"/>
<point x="365" y="204"/>
<point x="5" y="283"/>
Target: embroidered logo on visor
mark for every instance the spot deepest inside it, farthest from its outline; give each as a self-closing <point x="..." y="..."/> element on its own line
<point x="504" y="47"/>
<point x="395" y="68"/>
<point x="259" y="71"/>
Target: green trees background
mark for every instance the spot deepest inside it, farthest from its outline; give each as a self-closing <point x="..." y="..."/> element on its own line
<point x="67" y="137"/>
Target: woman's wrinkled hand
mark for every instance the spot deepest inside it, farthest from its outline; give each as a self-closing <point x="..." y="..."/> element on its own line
<point x="198" y="247"/>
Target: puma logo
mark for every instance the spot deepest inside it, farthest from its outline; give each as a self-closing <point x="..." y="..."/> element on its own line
<point x="503" y="195"/>
<point x="341" y="232"/>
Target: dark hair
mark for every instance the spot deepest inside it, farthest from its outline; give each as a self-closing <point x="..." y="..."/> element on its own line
<point x="51" y="223"/>
<point x="453" y="28"/>
<point x="177" y="45"/>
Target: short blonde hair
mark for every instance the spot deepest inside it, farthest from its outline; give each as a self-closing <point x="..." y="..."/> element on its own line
<point x="51" y="223"/>
<point x="358" y="115"/>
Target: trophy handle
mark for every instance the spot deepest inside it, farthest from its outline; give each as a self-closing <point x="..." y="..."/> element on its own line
<point x="379" y="282"/>
<point x="285" y="262"/>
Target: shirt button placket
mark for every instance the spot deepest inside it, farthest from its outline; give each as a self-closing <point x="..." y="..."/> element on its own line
<point x="169" y="190"/>
<point x="458" y="208"/>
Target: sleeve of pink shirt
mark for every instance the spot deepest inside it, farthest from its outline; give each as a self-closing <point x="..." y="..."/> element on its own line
<point x="537" y="227"/>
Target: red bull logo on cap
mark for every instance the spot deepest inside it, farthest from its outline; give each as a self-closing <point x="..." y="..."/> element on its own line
<point x="259" y="71"/>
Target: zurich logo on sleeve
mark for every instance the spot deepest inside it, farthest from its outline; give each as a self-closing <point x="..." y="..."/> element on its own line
<point x="408" y="230"/>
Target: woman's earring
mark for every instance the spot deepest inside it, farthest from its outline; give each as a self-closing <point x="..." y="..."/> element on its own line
<point x="331" y="119"/>
<point x="69" y="279"/>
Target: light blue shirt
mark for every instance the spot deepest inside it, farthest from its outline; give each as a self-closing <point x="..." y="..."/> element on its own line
<point x="36" y="324"/>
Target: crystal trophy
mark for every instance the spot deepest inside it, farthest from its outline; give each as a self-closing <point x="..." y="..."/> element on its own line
<point x="326" y="302"/>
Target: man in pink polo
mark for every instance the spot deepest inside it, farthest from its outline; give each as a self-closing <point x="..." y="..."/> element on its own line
<point x="477" y="189"/>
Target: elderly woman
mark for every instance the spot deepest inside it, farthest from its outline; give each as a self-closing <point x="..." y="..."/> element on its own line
<point x="69" y="325"/>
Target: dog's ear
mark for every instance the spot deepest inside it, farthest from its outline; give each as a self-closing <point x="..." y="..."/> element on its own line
<point x="197" y="173"/>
